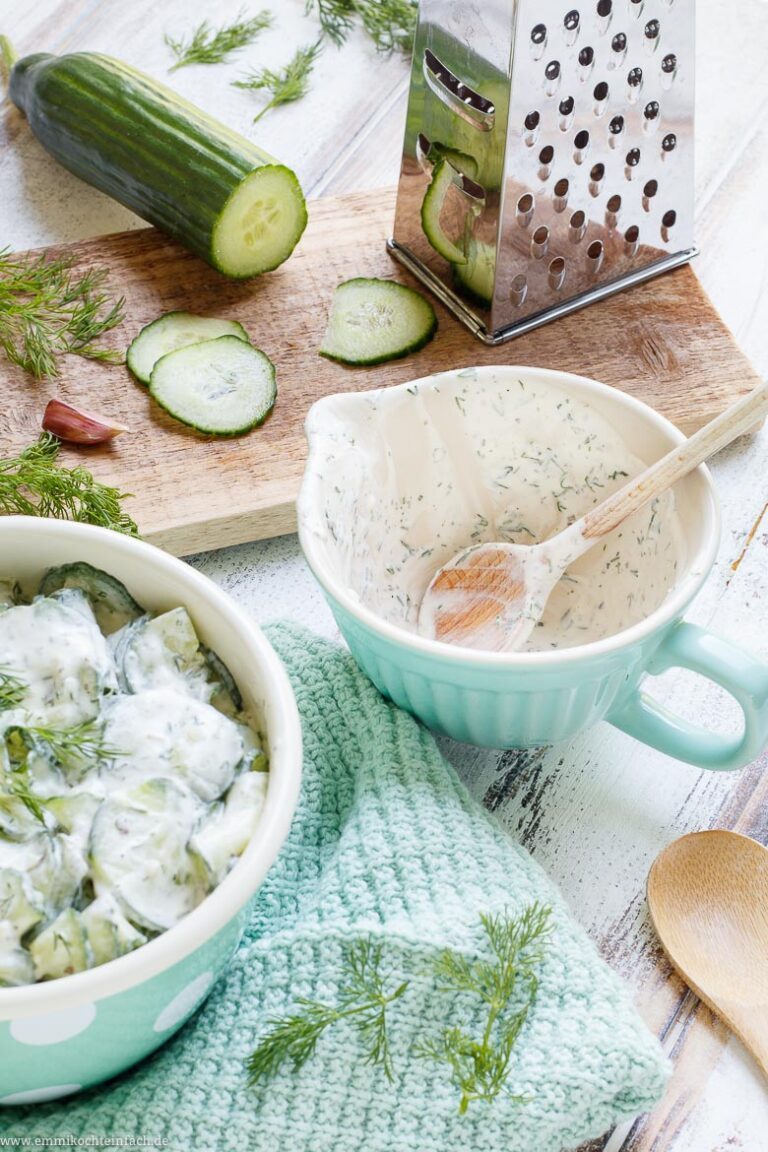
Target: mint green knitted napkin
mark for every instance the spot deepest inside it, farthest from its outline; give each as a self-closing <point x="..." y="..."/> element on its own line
<point x="386" y="841"/>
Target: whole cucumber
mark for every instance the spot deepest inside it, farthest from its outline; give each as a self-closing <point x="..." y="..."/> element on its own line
<point x="222" y="197"/>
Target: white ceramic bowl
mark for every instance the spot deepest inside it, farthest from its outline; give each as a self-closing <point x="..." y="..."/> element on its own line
<point x="68" y="1034"/>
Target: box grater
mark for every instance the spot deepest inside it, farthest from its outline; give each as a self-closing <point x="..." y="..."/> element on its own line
<point x="548" y="155"/>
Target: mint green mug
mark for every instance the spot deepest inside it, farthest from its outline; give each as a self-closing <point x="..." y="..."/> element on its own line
<point x="361" y="443"/>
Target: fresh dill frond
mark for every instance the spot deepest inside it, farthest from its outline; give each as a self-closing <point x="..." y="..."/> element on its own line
<point x="73" y="749"/>
<point x="34" y="484"/>
<point x="390" y="23"/>
<point x="11" y="690"/>
<point x="209" y="45"/>
<point x="507" y="984"/>
<point x="285" y="84"/>
<point x="48" y="309"/>
<point x="363" y="999"/>
<point x="337" y="17"/>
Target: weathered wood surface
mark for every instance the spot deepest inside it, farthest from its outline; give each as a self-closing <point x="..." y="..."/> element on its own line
<point x="594" y="812"/>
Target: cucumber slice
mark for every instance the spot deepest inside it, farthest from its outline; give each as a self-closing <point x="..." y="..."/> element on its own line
<point x="66" y="675"/>
<point x="109" y="933"/>
<point x="226" y="833"/>
<point x="10" y="594"/>
<point x="16" y="967"/>
<point x="475" y="277"/>
<point x="61" y="949"/>
<point x="164" y="652"/>
<point x="19" y="902"/>
<point x="444" y="214"/>
<point x="74" y="813"/>
<point x="112" y="603"/>
<point x="222" y="387"/>
<point x="372" y="321"/>
<point x="161" y="731"/>
<point x="172" y="331"/>
<point x="225" y="696"/>
<point x="139" y="853"/>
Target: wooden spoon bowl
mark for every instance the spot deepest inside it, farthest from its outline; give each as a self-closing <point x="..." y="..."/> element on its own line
<point x="708" y="899"/>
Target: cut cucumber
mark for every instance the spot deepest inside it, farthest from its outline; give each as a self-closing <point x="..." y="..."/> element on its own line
<point x="112" y="603"/>
<point x="62" y="948"/>
<point x="172" y="331"/>
<point x="139" y="853"/>
<point x="444" y="207"/>
<point x="476" y="276"/>
<point x="223" y="387"/>
<point x="373" y="321"/>
<point x="16" y="967"/>
<point x="109" y="933"/>
<point x="19" y="902"/>
<point x="164" y="652"/>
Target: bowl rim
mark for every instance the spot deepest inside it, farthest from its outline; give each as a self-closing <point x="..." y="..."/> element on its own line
<point x="229" y="898"/>
<point x="673" y="606"/>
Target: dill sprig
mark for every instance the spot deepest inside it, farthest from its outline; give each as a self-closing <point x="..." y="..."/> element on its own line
<point x="363" y="998"/>
<point x="12" y="690"/>
<point x="286" y="84"/>
<point x="73" y="749"/>
<point x="389" y="23"/>
<point x="34" y="484"/>
<point x="480" y="1068"/>
<point x="209" y="45"/>
<point x="48" y="309"/>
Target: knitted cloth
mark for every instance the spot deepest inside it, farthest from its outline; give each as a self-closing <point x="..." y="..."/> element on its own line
<point x="386" y="841"/>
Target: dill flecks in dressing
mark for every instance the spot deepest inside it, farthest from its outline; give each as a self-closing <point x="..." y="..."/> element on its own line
<point x="422" y="474"/>
<point x="130" y="777"/>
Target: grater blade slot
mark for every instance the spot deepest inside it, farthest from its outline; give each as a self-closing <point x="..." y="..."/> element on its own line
<point x="457" y="95"/>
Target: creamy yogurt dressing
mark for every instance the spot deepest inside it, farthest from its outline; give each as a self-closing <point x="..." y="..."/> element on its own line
<point x="411" y="479"/>
<point x="110" y="833"/>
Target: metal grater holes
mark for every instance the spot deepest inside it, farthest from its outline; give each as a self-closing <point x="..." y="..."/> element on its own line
<point x="524" y="210"/>
<point x="566" y="108"/>
<point x="540" y="242"/>
<point x="560" y="198"/>
<point x="556" y="273"/>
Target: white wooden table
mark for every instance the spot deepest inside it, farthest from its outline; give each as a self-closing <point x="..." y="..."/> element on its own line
<point x="594" y="812"/>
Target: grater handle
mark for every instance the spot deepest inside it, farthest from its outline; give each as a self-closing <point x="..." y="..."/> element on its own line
<point x="458" y="96"/>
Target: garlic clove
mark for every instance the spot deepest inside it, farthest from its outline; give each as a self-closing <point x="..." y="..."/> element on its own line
<point x="77" y="426"/>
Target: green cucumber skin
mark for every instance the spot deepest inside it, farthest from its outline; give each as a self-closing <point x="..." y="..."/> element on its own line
<point x="139" y="143"/>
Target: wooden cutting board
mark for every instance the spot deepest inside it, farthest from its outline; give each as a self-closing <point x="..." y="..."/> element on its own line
<point x="662" y="341"/>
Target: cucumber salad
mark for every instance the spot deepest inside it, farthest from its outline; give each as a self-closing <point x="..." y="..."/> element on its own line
<point x="131" y="779"/>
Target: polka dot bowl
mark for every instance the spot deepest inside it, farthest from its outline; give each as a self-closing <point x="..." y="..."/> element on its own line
<point x="65" y="1035"/>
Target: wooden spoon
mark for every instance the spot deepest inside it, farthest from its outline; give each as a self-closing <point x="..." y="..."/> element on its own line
<point x="708" y="897"/>
<point x="491" y="596"/>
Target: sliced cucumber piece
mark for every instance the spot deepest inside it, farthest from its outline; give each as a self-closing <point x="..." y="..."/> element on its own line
<point x="445" y="215"/>
<point x="225" y="694"/>
<point x="62" y="948"/>
<point x="222" y="387"/>
<point x="109" y="933"/>
<point x="112" y="603"/>
<point x="74" y="813"/>
<point x="476" y="276"/>
<point x="139" y="853"/>
<point x="164" y="652"/>
<point x="260" y="223"/>
<point x="372" y="321"/>
<point x="19" y="902"/>
<point x="67" y="673"/>
<point x="226" y="833"/>
<point x="10" y="594"/>
<point x="172" y="331"/>
<point x="161" y="732"/>
<point x="16" y="967"/>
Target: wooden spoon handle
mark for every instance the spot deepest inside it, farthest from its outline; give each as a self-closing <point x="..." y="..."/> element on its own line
<point x="735" y="421"/>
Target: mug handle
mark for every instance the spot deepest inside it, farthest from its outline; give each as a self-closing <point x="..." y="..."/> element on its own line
<point x="742" y="675"/>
